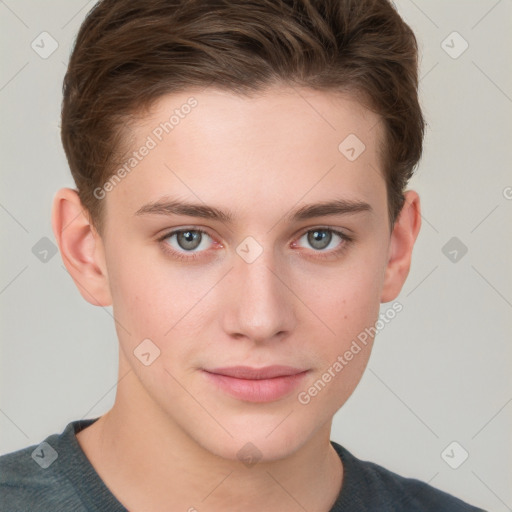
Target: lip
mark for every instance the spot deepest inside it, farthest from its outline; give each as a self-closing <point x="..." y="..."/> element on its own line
<point x="257" y="384"/>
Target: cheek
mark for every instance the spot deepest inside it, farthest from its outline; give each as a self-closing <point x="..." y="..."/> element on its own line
<point x="348" y="303"/>
<point x="153" y="299"/>
<point x="350" y="310"/>
<point x="347" y="298"/>
<point x="138" y="291"/>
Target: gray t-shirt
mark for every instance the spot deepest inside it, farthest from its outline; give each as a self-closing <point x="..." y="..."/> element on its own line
<point x="56" y="476"/>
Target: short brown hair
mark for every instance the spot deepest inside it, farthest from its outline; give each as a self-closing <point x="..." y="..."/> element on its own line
<point x="129" y="54"/>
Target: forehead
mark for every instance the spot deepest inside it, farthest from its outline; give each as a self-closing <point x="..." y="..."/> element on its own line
<point x="271" y="148"/>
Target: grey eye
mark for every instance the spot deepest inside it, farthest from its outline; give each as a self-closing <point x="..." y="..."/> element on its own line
<point x="189" y="240"/>
<point x="319" y="238"/>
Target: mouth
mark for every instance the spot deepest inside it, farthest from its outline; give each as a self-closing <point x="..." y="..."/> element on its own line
<point x="256" y="384"/>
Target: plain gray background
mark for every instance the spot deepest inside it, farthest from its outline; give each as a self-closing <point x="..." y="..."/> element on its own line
<point x="440" y="371"/>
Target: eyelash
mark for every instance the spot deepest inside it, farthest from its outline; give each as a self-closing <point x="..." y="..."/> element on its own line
<point x="192" y="256"/>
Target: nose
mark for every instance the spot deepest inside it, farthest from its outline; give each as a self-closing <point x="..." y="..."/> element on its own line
<point x="259" y="304"/>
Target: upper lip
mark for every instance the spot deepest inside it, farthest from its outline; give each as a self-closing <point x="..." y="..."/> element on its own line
<point x="267" y="372"/>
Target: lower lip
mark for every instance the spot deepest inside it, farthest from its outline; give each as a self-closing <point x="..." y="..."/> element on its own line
<point x="262" y="390"/>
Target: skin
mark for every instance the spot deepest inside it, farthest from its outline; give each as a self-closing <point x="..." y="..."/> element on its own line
<point x="171" y="437"/>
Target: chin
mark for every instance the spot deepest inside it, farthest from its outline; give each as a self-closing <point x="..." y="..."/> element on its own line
<point x="255" y="442"/>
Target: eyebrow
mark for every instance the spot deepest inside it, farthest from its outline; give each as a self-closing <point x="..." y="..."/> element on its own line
<point x="175" y="207"/>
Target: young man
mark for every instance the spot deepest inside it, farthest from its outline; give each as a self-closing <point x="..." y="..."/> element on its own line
<point x="240" y="170"/>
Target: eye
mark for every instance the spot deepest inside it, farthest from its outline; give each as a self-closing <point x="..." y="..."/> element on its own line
<point x="188" y="244"/>
<point x="321" y="239"/>
<point x="185" y="243"/>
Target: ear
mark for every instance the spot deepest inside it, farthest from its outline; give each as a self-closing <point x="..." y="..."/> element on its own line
<point x="81" y="247"/>
<point x="403" y="236"/>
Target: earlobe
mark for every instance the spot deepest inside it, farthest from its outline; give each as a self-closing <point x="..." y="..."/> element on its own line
<point x="81" y="247"/>
<point x="405" y="232"/>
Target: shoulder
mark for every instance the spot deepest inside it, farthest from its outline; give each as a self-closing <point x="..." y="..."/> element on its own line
<point x="372" y="485"/>
<point x="30" y="479"/>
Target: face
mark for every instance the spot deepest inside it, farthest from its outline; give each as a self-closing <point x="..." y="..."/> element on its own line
<point x="256" y="276"/>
